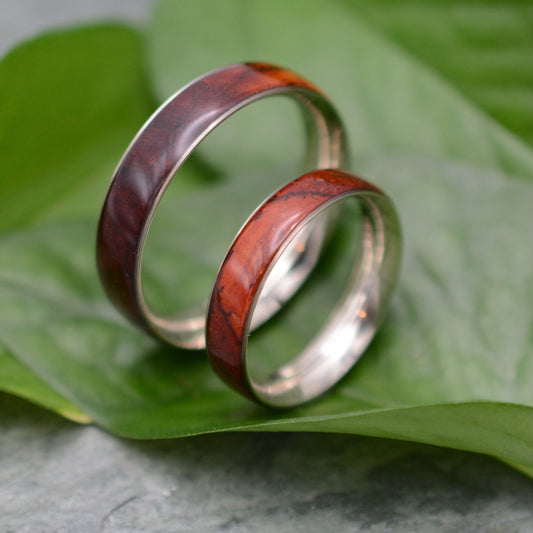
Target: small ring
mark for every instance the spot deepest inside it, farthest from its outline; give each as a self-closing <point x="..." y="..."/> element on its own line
<point x="351" y="325"/>
<point x="158" y="151"/>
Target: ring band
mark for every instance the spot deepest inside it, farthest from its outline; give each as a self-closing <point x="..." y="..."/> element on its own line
<point x="158" y="151"/>
<point x="352" y="324"/>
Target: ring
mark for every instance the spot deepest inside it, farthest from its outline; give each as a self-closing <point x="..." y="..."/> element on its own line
<point x="155" y="155"/>
<point x="247" y="266"/>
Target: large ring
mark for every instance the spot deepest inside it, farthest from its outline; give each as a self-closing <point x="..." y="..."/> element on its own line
<point x="155" y="155"/>
<point x="251" y="258"/>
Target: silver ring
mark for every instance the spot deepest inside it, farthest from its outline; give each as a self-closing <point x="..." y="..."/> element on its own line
<point x="157" y="153"/>
<point x="251" y="260"/>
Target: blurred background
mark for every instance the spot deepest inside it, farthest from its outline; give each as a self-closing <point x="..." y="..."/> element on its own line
<point x="22" y="20"/>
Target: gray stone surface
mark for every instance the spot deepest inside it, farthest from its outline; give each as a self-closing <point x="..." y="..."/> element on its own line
<point x="56" y="476"/>
<point x="21" y="19"/>
<point x="59" y="477"/>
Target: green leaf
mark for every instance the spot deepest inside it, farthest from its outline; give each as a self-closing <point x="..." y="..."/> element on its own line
<point x="16" y="378"/>
<point x="483" y="48"/>
<point x="453" y="365"/>
<point x="69" y="103"/>
<point x="391" y="100"/>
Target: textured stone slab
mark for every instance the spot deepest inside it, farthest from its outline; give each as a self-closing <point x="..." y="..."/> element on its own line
<point x="57" y="476"/>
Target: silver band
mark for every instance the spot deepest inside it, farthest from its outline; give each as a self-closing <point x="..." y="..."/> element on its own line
<point x="157" y="153"/>
<point x="351" y="325"/>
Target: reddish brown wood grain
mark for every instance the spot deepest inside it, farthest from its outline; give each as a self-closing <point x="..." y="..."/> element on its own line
<point x="162" y="145"/>
<point x="249" y="258"/>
